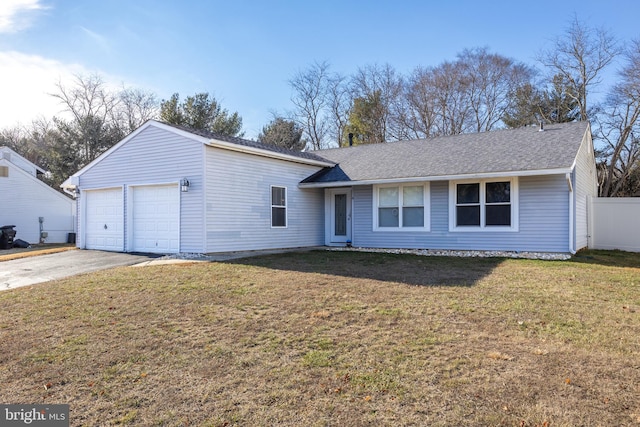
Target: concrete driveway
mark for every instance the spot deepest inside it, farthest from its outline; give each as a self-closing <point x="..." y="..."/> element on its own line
<point x="37" y="269"/>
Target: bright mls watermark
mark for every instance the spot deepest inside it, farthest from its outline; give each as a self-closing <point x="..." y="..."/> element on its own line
<point x="34" y="415"/>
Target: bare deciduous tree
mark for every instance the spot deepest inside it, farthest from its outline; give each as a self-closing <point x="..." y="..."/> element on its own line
<point x="311" y="101"/>
<point x="87" y="97"/>
<point x="620" y="129"/>
<point x="490" y="79"/>
<point x="339" y="101"/>
<point x="420" y="113"/>
<point x="379" y="89"/>
<point x="135" y="106"/>
<point x="452" y="106"/>
<point x="89" y="132"/>
<point x="580" y="56"/>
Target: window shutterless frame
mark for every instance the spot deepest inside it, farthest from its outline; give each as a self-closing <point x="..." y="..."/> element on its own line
<point x="278" y="207"/>
<point x="401" y="207"/>
<point x="484" y="205"/>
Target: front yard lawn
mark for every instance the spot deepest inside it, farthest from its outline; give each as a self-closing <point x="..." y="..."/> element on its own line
<point x="333" y="338"/>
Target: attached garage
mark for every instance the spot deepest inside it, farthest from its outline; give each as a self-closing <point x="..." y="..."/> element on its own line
<point x="152" y="221"/>
<point x="167" y="189"/>
<point x="104" y="224"/>
<point x="155" y="218"/>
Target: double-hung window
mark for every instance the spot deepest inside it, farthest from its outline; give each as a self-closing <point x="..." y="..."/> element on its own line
<point x="484" y="205"/>
<point x="278" y="207"/>
<point x="398" y="207"/>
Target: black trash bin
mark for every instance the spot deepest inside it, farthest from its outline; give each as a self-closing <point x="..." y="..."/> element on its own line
<point x="7" y="234"/>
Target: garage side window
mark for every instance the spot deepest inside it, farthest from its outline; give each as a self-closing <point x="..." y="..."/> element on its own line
<point x="278" y="207"/>
<point x="4" y="171"/>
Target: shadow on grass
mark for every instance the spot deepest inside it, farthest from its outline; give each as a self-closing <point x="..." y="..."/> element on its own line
<point x="410" y="269"/>
<point x="614" y="258"/>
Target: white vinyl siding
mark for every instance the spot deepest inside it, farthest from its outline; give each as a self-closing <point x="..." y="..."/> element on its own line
<point x="238" y="204"/>
<point x="543" y="218"/>
<point x="26" y="199"/>
<point x="401" y="207"/>
<point x="151" y="157"/>
<point x="586" y="186"/>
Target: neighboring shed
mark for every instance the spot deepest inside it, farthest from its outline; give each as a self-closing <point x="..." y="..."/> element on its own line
<point x="26" y="200"/>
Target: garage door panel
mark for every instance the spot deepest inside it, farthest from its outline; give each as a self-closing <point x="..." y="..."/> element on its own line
<point x="156" y="219"/>
<point x="104" y="224"/>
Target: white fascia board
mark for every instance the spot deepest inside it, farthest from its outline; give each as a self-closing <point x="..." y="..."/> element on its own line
<point x="585" y="140"/>
<point x="266" y="153"/>
<point x="558" y="171"/>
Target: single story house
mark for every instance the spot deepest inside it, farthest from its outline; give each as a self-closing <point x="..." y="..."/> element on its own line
<point x="169" y="189"/>
<point x="39" y="212"/>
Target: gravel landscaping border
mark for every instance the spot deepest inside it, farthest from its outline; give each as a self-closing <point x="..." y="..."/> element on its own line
<point x="553" y="256"/>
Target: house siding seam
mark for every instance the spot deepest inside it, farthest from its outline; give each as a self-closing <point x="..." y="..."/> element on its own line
<point x="543" y="221"/>
<point x="156" y="156"/>
<point x="238" y="203"/>
<point x="586" y="186"/>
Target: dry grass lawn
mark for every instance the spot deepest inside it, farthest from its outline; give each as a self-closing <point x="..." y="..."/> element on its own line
<point x="332" y="339"/>
<point x="35" y="249"/>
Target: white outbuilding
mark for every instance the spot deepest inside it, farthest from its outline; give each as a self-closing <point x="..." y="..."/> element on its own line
<point x="39" y="213"/>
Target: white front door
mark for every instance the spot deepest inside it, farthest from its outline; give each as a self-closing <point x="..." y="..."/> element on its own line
<point x="340" y="222"/>
<point x="156" y="218"/>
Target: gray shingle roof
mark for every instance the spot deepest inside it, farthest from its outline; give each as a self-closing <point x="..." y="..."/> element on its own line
<point x="508" y="151"/>
<point x="248" y="143"/>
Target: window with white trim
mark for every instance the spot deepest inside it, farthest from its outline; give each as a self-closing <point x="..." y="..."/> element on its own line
<point x="278" y="207"/>
<point x="484" y="204"/>
<point x="402" y="206"/>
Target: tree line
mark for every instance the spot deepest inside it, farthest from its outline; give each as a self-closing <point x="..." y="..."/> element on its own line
<point x="478" y="91"/>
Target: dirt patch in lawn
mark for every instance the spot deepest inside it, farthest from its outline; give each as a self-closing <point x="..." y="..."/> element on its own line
<point x="325" y="338"/>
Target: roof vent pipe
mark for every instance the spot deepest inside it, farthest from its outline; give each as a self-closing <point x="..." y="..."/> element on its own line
<point x="350" y="139"/>
<point x="541" y="126"/>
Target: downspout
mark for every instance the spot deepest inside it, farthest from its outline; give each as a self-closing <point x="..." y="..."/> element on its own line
<point x="572" y="245"/>
<point x="351" y="217"/>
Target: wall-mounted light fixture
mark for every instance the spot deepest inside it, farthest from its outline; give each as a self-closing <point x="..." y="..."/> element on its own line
<point x="184" y="185"/>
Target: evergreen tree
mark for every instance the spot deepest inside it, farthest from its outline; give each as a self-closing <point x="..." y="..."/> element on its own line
<point x="365" y="120"/>
<point x="283" y="133"/>
<point x="201" y="112"/>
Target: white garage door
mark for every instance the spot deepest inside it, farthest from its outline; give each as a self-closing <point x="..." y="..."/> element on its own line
<point x="104" y="228"/>
<point x="156" y="219"/>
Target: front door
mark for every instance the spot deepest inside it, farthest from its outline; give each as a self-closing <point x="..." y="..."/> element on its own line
<point x="340" y="216"/>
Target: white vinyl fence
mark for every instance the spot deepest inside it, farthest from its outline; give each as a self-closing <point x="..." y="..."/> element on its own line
<point x="614" y="223"/>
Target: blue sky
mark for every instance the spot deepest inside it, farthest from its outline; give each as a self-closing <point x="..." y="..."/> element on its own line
<point x="243" y="52"/>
